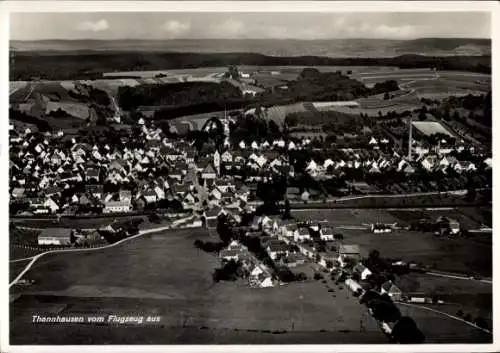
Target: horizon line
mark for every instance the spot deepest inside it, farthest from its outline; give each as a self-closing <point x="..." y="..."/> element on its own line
<point x="242" y="39"/>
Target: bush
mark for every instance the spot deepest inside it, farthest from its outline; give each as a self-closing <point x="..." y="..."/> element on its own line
<point x="318" y="276"/>
<point x="405" y="331"/>
<point x="481" y="322"/>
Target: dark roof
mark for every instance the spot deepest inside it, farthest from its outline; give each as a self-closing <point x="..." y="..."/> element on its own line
<point x="327" y="230"/>
<point x="276" y="246"/>
<point x="56" y="233"/>
<point x="349" y="249"/>
<point x="94" y="188"/>
<point x="227" y="252"/>
<point x="208" y="169"/>
<point x="93" y="173"/>
<point x="303" y="231"/>
<point x="390" y="287"/>
<point x="214" y="212"/>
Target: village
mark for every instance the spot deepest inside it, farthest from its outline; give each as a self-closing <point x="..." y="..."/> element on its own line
<point x="57" y="174"/>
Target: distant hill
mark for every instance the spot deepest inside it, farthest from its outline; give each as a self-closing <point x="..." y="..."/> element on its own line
<point x="445" y="46"/>
<point x="336" y="48"/>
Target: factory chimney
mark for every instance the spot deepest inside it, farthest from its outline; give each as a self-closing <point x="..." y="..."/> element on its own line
<point x="410" y="138"/>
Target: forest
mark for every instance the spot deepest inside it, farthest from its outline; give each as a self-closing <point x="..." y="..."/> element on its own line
<point x="92" y="65"/>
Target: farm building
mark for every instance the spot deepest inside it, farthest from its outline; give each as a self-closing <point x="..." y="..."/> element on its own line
<point x="390" y="289"/>
<point x="302" y="234"/>
<point x="326" y="234"/>
<point x="378" y="228"/>
<point x="353" y="285"/>
<point x="228" y="254"/>
<point x="447" y="224"/>
<point x="55" y="236"/>
<point x="362" y="271"/>
<point x="117" y="206"/>
<point x="429" y="128"/>
<point x="351" y="252"/>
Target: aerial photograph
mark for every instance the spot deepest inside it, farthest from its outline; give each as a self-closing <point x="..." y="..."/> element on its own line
<point x="219" y="178"/>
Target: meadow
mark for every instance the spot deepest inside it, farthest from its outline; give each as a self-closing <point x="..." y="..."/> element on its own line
<point x="438" y="328"/>
<point x="164" y="274"/>
<point x="456" y="255"/>
<point x="472" y="297"/>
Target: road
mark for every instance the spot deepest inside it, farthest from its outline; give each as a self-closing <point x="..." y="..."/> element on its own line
<point x="459" y="276"/>
<point x="36" y="257"/>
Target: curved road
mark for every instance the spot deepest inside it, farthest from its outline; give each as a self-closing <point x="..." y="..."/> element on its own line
<point x="36" y="257"/>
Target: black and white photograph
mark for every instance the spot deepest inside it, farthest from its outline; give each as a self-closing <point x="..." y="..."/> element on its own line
<point x="255" y="177"/>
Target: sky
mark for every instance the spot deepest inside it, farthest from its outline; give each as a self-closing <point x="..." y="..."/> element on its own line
<point x="168" y="25"/>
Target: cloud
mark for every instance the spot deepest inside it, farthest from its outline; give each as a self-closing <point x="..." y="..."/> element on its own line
<point x="230" y="28"/>
<point x="176" y="28"/>
<point x="97" y="26"/>
<point x="385" y="31"/>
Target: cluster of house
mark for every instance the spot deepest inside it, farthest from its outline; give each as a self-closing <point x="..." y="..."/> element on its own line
<point x="260" y="275"/>
<point x="69" y="236"/>
<point x="45" y="169"/>
<point x="379" y="162"/>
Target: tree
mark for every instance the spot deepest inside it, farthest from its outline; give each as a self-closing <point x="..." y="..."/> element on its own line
<point x="384" y="310"/>
<point x="338" y="236"/>
<point x="286" y="213"/>
<point x="471" y="195"/>
<point x="309" y="73"/>
<point x="422" y="115"/>
<point x="386" y="96"/>
<point x="481" y="322"/>
<point x="406" y="332"/>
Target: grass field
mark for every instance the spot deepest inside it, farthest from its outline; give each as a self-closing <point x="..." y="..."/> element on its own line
<point x="21" y="253"/>
<point x="461" y="255"/>
<point x="166" y="275"/>
<point x="81" y="223"/>
<point x="472" y="297"/>
<point x="438" y="328"/>
<point x="343" y="217"/>
<point x="15" y="268"/>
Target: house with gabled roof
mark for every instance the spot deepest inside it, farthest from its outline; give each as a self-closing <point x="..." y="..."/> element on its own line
<point x="208" y="173"/>
<point x="211" y="217"/>
<point x="226" y="157"/>
<point x="113" y="206"/>
<point x="125" y="195"/>
<point x="276" y="248"/>
<point x="229" y="254"/>
<point x="302" y="234"/>
<point x="18" y="192"/>
<point x="363" y="271"/>
<point x="150" y="195"/>
<point x="349" y="252"/>
<point x="96" y="190"/>
<point x="326" y="233"/>
<point x="92" y="174"/>
<point x="391" y="290"/>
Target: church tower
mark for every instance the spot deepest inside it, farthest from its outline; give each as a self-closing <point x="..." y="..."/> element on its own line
<point x="217" y="161"/>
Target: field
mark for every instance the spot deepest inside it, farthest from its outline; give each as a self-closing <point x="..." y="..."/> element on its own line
<point x="346" y="217"/>
<point x="81" y="223"/>
<point x="15" y="268"/>
<point x="164" y="274"/>
<point x="441" y="329"/>
<point x="472" y="297"/>
<point x="470" y="255"/>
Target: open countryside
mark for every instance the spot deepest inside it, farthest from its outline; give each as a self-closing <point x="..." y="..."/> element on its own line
<point x="303" y="192"/>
